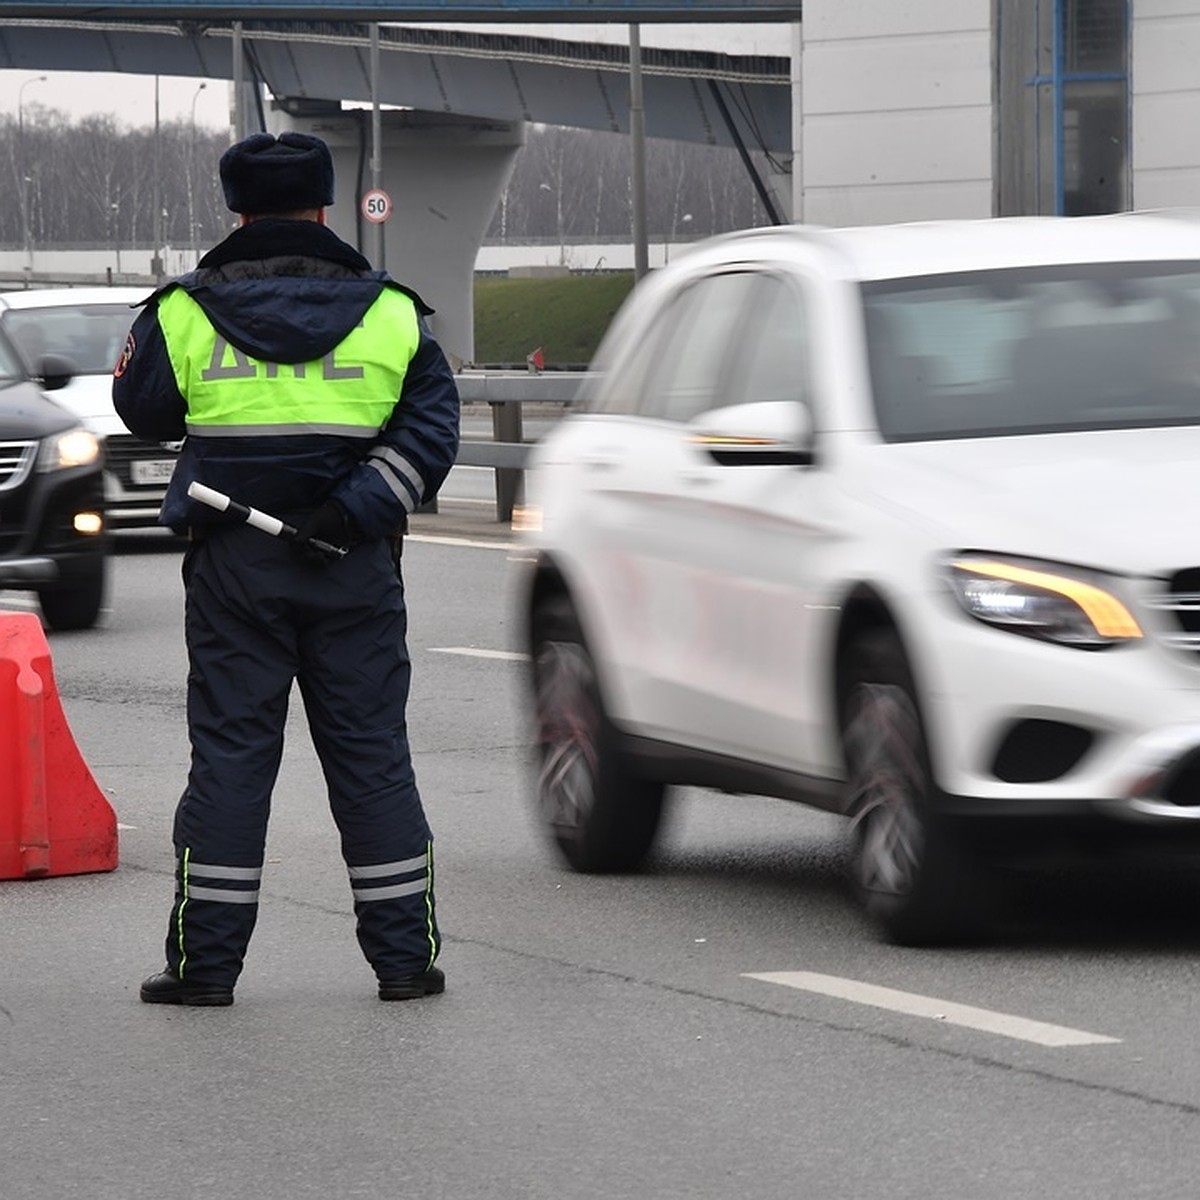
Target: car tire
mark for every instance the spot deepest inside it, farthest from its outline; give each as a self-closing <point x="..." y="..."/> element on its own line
<point x="598" y="813"/>
<point x="917" y="883"/>
<point x="77" y="606"/>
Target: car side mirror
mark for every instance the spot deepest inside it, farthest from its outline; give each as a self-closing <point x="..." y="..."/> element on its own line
<point x="767" y="432"/>
<point x="55" y="371"/>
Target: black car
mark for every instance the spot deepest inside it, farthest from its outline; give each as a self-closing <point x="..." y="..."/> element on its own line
<point x="52" y="530"/>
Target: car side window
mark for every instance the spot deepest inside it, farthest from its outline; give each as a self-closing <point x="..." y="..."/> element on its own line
<point x="692" y="369"/>
<point x="774" y="359"/>
<point x="619" y="389"/>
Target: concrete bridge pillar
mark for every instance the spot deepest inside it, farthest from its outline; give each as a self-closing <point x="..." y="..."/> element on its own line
<point x="445" y="175"/>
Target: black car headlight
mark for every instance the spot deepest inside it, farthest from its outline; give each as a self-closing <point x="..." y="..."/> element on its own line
<point x="1049" y="603"/>
<point x="72" y="448"/>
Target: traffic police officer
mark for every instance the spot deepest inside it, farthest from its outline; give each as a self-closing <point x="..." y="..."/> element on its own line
<point x="307" y="386"/>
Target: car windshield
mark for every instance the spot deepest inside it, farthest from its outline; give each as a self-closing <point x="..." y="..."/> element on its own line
<point x="11" y="367"/>
<point x="1045" y="350"/>
<point x="90" y="335"/>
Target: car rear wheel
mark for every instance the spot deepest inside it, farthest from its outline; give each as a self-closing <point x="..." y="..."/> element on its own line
<point x="78" y="605"/>
<point x="916" y="881"/>
<point x="600" y="815"/>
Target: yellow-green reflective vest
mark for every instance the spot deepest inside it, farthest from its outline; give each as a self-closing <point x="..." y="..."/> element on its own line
<point x="351" y="391"/>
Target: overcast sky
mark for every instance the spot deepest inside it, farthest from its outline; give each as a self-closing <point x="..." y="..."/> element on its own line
<point x="130" y="98"/>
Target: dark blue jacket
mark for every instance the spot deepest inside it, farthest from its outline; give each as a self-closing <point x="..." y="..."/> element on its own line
<point x="289" y="292"/>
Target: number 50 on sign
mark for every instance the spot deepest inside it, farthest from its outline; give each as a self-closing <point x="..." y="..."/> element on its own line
<point x="376" y="205"/>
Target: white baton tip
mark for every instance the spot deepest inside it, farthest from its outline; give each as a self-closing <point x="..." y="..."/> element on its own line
<point x="207" y="495"/>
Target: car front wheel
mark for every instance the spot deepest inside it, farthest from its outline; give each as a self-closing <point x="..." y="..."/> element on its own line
<point x="78" y="605"/>
<point x="600" y="815"/>
<point x="915" y="879"/>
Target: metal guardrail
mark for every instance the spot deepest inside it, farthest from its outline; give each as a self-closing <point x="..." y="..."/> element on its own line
<point x="507" y="453"/>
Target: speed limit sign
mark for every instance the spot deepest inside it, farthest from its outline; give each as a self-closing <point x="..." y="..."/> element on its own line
<point x="376" y="205"/>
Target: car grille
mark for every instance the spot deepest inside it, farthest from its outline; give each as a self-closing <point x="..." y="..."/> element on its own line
<point x="1181" y="606"/>
<point x="16" y="464"/>
<point x="16" y="461"/>
<point x="120" y="451"/>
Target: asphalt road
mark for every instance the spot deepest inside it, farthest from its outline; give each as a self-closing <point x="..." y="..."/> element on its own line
<point x="601" y="1037"/>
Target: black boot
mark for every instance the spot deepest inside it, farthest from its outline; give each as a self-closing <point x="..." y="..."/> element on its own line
<point x="168" y="988"/>
<point x="413" y="987"/>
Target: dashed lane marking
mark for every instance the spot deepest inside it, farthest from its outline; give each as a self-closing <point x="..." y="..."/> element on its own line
<point x="476" y="652"/>
<point x="912" y="1004"/>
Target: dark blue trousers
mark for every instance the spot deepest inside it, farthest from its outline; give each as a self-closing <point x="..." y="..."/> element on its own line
<point x="258" y="617"/>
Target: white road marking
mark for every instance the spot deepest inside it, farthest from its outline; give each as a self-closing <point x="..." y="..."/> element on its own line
<point x="458" y="541"/>
<point x="983" y="1019"/>
<point x="120" y="826"/>
<point x="475" y="652"/>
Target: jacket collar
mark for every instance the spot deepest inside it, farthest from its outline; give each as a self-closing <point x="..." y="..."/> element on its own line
<point x="273" y="237"/>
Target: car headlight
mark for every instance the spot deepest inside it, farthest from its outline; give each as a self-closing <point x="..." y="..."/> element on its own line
<point x="527" y="518"/>
<point x="71" y="448"/>
<point x="1051" y="604"/>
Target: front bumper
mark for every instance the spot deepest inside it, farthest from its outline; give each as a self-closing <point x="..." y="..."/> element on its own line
<point x="41" y="547"/>
<point x="32" y="571"/>
<point x="128" y="506"/>
<point x="136" y="475"/>
<point x="1163" y="778"/>
<point x="1134" y="712"/>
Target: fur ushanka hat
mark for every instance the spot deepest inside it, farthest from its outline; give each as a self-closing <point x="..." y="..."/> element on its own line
<point x="268" y="174"/>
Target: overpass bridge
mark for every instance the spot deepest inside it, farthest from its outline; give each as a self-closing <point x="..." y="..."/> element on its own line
<point x="449" y="102"/>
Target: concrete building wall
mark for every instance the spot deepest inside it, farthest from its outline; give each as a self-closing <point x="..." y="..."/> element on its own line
<point x="1165" y="91"/>
<point x="897" y="101"/>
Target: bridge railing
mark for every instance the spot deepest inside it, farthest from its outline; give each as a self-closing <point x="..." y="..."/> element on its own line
<point x="507" y="393"/>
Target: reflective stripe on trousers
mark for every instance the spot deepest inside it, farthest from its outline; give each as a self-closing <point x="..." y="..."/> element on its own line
<point x="209" y="898"/>
<point x="394" y="904"/>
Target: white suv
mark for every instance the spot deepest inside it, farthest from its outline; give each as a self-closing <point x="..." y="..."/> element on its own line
<point x="902" y="522"/>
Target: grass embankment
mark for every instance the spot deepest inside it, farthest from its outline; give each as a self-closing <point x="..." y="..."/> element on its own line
<point x="566" y="316"/>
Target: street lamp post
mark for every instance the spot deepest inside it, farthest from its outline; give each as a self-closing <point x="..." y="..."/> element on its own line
<point x="558" y="214"/>
<point x="156" y="259"/>
<point x="191" y="171"/>
<point x="686" y="219"/>
<point x="115" y="217"/>
<point x="23" y="174"/>
<point x="377" y="143"/>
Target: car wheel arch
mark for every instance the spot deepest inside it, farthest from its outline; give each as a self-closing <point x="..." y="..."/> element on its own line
<point x="599" y="810"/>
<point x="545" y="581"/>
<point x="867" y="610"/>
<point x="550" y="583"/>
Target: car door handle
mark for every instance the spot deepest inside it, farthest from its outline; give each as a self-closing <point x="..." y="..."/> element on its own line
<point x="696" y="478"/>
<point x="599" y="462"/>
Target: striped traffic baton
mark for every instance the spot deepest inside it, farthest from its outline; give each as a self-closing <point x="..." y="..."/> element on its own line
<point x="260" y="520"/>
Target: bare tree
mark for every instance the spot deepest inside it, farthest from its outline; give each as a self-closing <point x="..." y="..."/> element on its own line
<point x="93" y="181"/>
<point x="580" y="180"/>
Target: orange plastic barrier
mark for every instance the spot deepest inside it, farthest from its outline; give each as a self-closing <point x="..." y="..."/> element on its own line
<point x="54" y="819"/>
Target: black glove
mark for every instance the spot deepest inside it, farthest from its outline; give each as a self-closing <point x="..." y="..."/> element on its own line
<point x="325" y="534"/>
